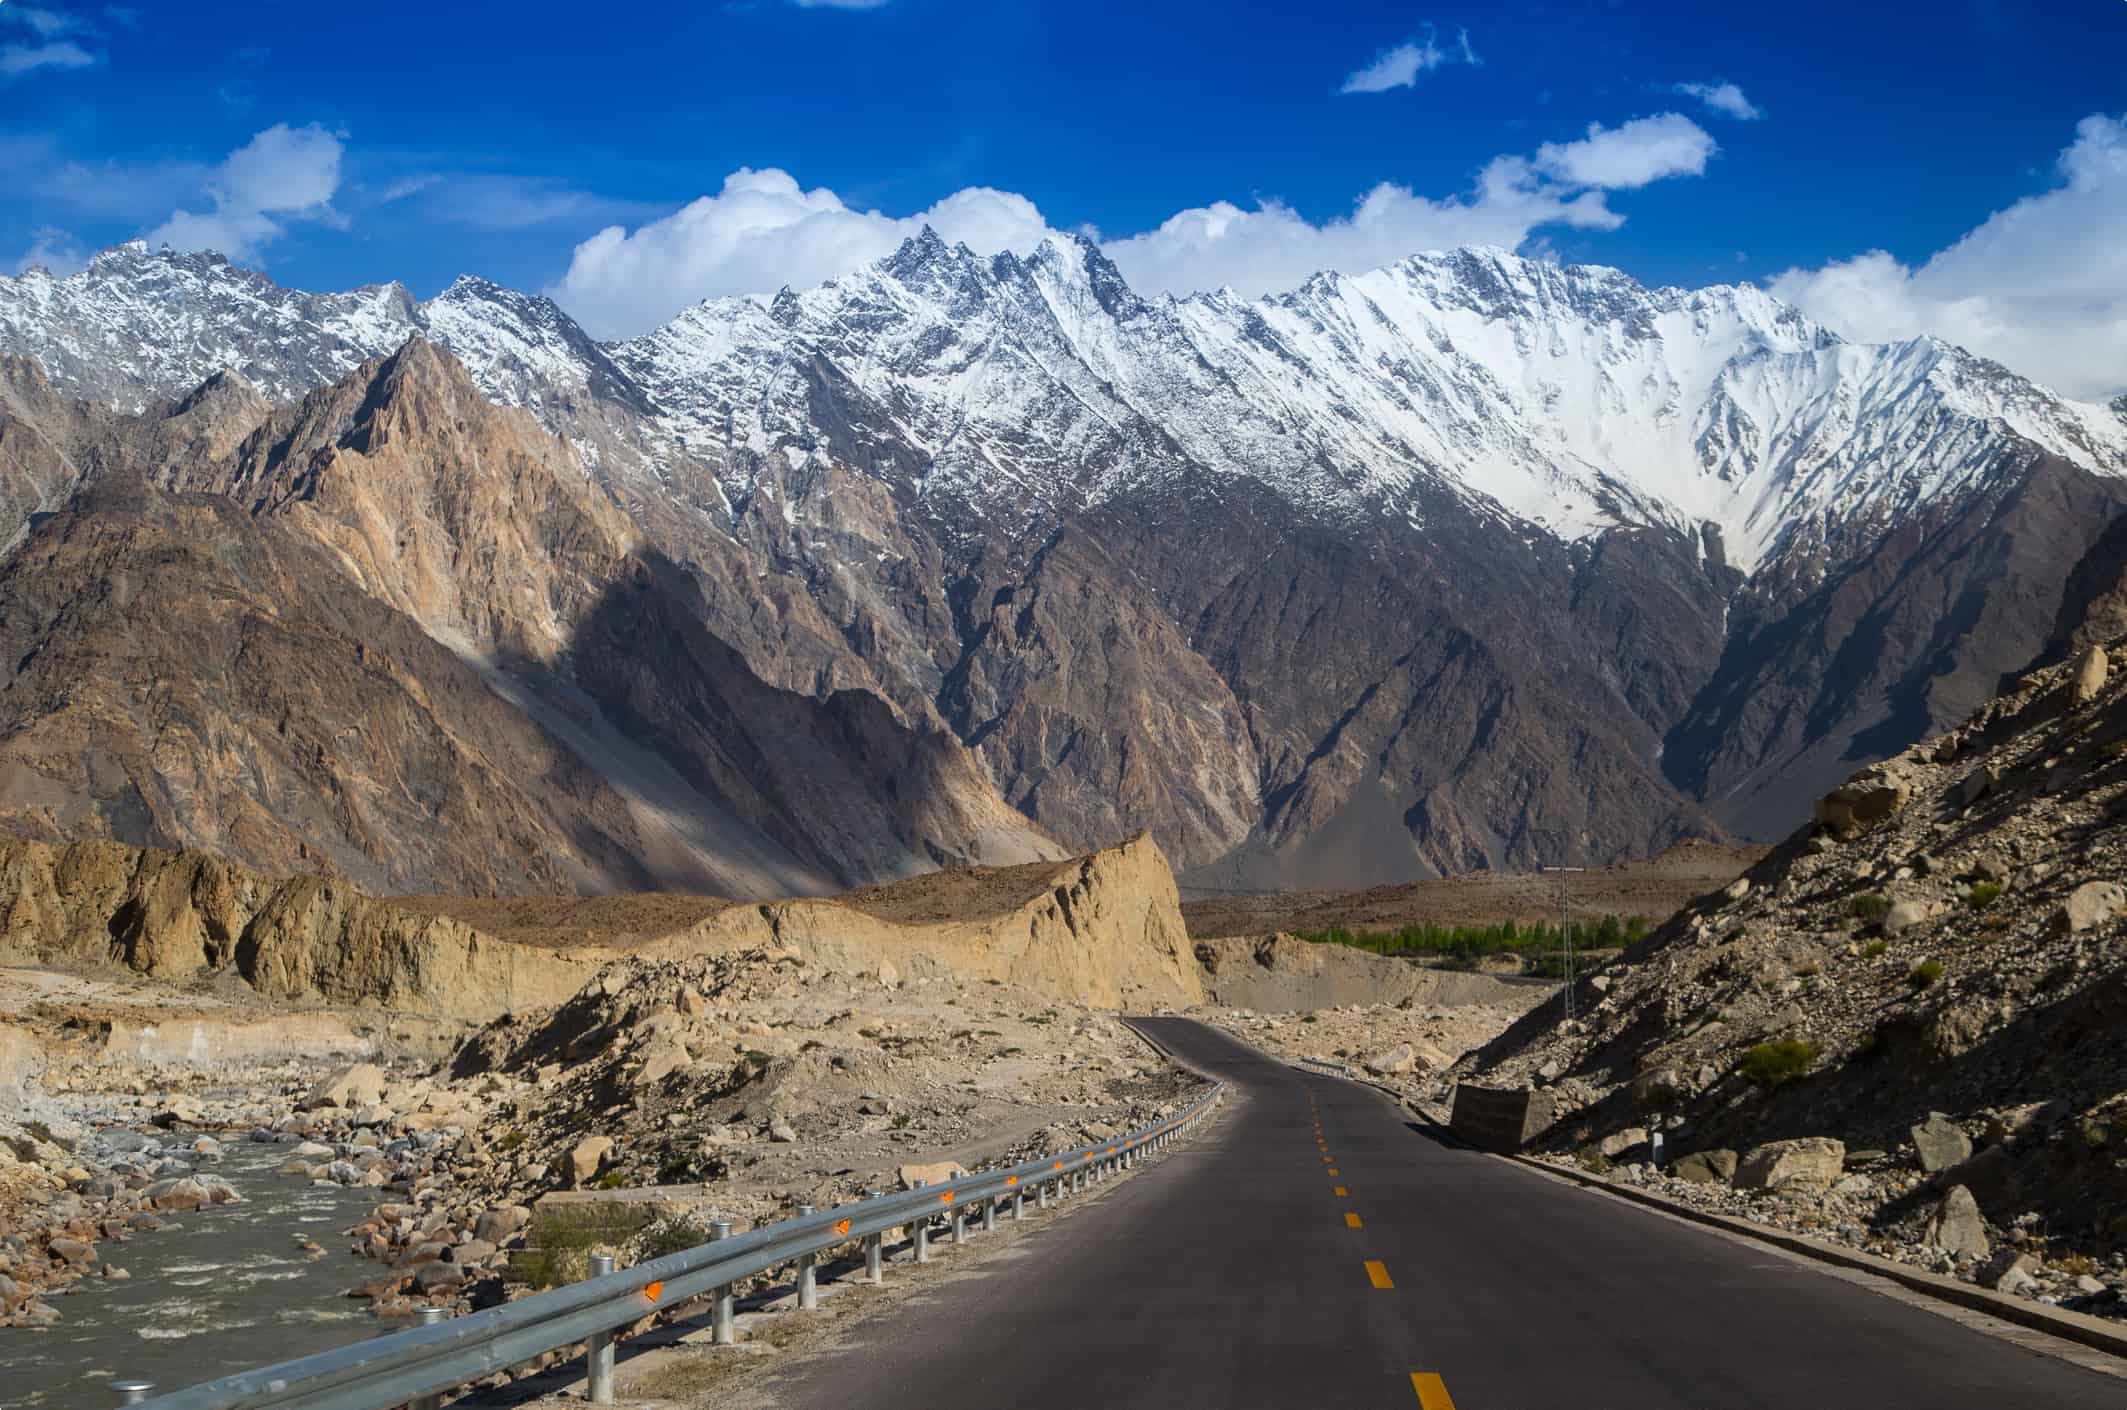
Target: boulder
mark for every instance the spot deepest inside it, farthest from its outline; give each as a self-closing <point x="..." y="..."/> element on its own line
<point x="936" y="1173"/>
<point x="1957" y="1227"/>
<point x="1716" y="1167"/>
<point x="1392" y="1062"/>
<point x="361" y="1085"/>
<point x="2092" y="903"/>
<point x="1618" y="1142"/>
<point x="1973" y="787"/>
<point x="588" y="1157"/>
<point x="2088" y="677"/>
<point x="2009" y="1271"/>
<point x="1940" y="1143"/>
<point x="497" y="1226"/>
<point x="165" y="1196"/>
<point x="1905" y="916"/>
<point x="72" y="1252"/>
<point x="1864" y="800"/>
<point x="1658" y="1089"/>
<point x="1806" y="1165"/>
<point x="782" y="1132"/>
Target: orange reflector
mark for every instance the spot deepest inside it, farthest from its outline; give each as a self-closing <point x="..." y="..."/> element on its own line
<point x="1059" y="1165"/>
<point x="1111" y="1150"/>
<point x="1011" y="1179"/>
<point x="841" y="1226"/>
<point x="946" y="1198"/>
<point x="654" y="1291"/>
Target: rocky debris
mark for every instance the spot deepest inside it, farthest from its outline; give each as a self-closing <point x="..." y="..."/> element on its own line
<point x="361" y="1085"/>
<point x="1917" y="974"/>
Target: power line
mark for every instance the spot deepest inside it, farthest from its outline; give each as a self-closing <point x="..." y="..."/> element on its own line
<point x="1565" y="928"/>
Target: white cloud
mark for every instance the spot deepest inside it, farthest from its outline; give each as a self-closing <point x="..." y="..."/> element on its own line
<point x="18" y="59"/>
<point x="1629" y="155"/>
<point x="1723" y="98"/>
<point x="1273" y="247"/>
<point x="56" y="251"/>
<point x="41" y="22"/>
<point x="1399" y="67"/>
<point x="2040" y="286"/>
<point x="281" y="174"/>
<point x="759" y="233"/>
<point x="763" y="231"/>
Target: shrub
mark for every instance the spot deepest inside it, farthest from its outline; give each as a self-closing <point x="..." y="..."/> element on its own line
<point x="1925" y="974"/>
<point x="1770" y="1065"/>
<point x="674" y="1234"/>
<point x="1870" y="906"/>
<point x="1983" y="894"/>
<point x="611" y="1180"/>
<point x="1874" y="948"/>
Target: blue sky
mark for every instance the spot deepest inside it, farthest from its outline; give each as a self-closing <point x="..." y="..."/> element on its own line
<point x="418" y="142"/>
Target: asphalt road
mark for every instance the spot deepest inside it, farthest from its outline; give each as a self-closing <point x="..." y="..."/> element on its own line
<point x="1312" y="1249"/>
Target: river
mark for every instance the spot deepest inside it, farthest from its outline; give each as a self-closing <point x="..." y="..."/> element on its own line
<point x="213" y="1291"/>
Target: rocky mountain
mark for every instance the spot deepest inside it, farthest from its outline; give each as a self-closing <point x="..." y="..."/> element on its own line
<point x="395" y="631"/>
<point x="1467" y="561"/>
<point x="1915" y="1001"/>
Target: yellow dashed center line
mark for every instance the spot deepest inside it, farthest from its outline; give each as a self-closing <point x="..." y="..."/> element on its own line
<point x="1377" y="1273"/>
<point x="1342" y="1191"/>
<point x="1432" y="1391"/>
<point x="1351" y="1220"/>
<point x="1333" y="1170"/>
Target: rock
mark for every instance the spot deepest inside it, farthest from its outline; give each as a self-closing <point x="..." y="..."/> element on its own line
<point x="1866" y="799"/>
<point x="72" y="1252"/>
<point x="165" y="1196"/>
<point x="470" y="1252"/>
<point x="361" y="1085"/>
<point x="936" y="1173"/>
<point x="2089" y="675"/>
<point x="498" y="1226"/>
<point x="180" y="1111"/>
<point x="1940" y="1143"/>
<point x="1392" y="1062"/>
<point x="2092" y="903"/>
<point x="1957" y="1227"/>
<point x="2090" y="1287"/>
<point x="1659" y="1089"/>
<point x="1715" y="1167"/>
<point x="1736" y="890"/>
<point x="1618" y="1142"/>
<point x="588" y="1156"/>
<point x="2009" y="1271"/>
<point x="782" y="1132"/>
<point x="1973" y="787"/>
<point x="1807" y="1165"/>
<point x="1905" y="916"/>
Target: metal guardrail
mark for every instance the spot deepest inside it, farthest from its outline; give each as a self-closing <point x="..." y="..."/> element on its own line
<point x="1333" y="1069"/>
<point x="418" y="1366"/>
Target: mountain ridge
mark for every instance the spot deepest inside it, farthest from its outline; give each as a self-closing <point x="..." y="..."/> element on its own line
<point x="1617" y="538"/>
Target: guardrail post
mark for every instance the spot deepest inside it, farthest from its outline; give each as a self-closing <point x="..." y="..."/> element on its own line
<point x="1019" y="1204"/>
<point x="725" y="1332"/>
<point x="808" y="1283"/>
<point x="989" y="1216"/>
<point x="874" y="1258"/>
<point x="959" y="1226"/>
<point x="919" y="1234"/>
<point x="598" y="1356"/>
<point x="1041" y="1195"/>
<point x="133" y="1392"/>
<point x="428" y="1317"/>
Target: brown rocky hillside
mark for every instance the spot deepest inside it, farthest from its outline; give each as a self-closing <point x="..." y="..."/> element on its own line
<point x="1932" y="975"/>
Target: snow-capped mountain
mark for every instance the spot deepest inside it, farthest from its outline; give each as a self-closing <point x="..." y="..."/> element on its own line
<point x="1510" y="558"/>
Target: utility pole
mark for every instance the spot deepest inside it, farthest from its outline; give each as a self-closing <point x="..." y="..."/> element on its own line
<point x="1565" y="929"/>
